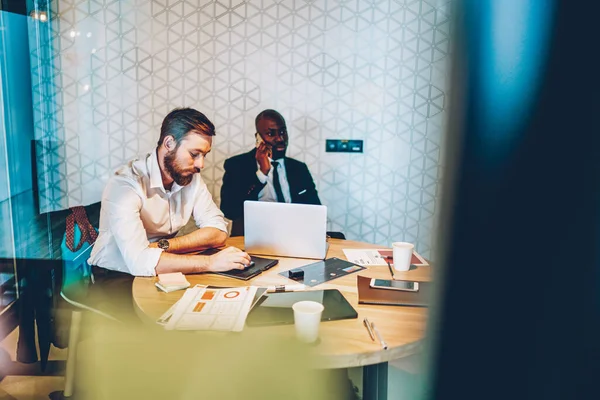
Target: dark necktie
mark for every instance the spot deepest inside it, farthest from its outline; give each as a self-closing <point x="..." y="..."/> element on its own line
<point x="276" y="183"/>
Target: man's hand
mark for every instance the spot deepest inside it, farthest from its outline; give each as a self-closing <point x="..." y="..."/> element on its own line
<point x="263" y="153"/>
<point x="229" y="258"/>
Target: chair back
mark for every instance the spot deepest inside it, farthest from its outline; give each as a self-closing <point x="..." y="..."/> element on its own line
<point x="76" y="247"/>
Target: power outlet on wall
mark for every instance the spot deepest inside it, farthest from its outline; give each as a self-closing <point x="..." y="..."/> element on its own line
<point x="343" y="146"/>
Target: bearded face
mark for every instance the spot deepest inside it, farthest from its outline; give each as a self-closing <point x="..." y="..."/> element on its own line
<point x="176" y="168"/>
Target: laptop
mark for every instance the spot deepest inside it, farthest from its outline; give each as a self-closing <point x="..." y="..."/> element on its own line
<point x="285" y="229"/>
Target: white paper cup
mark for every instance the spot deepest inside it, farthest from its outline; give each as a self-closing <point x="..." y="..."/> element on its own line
<point x="402" y="255"/>
<point x="307" y="317"/>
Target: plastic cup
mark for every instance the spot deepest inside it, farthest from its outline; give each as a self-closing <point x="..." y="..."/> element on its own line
<point x="307" y="318"/>
<point x="402" y="255"/>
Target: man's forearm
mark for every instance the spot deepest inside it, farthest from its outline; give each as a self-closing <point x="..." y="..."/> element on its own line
<point x="187" y="264"/>
<point x="200" y="239"/>
<point x="225" y="260"/>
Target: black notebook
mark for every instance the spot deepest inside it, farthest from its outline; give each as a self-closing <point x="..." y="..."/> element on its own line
<point x="258" y="265"/>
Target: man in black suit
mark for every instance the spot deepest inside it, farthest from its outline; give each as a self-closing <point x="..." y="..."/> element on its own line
<point x="265" y="173"/>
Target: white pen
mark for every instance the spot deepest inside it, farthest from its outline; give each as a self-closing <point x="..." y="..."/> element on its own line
<point x="285" y="288"/>
<point x="383" y="343"/>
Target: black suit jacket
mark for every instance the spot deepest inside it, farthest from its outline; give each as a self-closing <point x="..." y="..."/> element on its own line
<point x="240" y="183"/>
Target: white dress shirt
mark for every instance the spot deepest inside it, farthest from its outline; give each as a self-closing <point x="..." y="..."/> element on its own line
<point x="268" y="192"/>
<point x="136" y="210"/>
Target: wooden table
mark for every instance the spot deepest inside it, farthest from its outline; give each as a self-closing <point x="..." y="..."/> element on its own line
<point x="344" y="343"/>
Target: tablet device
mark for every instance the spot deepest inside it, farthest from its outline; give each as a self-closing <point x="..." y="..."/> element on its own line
<point x="258" y="265"/>
<point x="276" y="308"/>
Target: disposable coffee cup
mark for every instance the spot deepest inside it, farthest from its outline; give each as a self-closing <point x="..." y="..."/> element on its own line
<point x="402" y="255"/>
<point x="307" y="318"/>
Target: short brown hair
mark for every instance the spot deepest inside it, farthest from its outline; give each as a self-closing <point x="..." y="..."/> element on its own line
<point x="181" y="121"/>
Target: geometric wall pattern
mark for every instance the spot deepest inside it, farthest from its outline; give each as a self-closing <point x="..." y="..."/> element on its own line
<point x="371" y="70"/>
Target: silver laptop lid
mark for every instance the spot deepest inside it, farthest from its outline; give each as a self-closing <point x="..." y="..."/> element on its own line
<point x="285" y="229"/>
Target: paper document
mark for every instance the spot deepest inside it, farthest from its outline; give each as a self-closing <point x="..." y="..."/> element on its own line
<point x="375" y="257"/>
<point x="163" y="319"/>
<point x="202" y="308"/>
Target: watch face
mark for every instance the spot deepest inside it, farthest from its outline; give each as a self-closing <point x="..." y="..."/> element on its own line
<point x="163" y="244"/>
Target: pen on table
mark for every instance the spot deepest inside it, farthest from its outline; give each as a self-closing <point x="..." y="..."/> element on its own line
<point x="390" y="267"/>
<point x="285" y="288"/>
<point x="383" y="343"/>
<point x="368" y="326"/>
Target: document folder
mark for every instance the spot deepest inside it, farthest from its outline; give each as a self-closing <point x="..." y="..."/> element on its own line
<point x="369" y="295"/>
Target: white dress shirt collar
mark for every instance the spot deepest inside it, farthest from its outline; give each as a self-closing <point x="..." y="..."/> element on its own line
<point x="154" y="171"/>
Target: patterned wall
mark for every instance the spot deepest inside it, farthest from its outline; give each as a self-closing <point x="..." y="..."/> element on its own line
<point x="372" y="70"/>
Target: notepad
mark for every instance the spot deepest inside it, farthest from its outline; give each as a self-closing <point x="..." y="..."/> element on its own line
<point x="172" y="281"/>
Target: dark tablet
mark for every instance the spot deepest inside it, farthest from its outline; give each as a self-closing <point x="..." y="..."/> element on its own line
<point x="276" y="308"/>
<point x="258" y="265"/>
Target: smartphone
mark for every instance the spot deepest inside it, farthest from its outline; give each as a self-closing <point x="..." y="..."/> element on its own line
<point x="406" y="286"/>
<point x="259" y="140"/>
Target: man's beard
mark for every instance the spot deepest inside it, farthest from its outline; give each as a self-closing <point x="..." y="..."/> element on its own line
<point x="178" y="174"/>
<point x="277" y="154"/>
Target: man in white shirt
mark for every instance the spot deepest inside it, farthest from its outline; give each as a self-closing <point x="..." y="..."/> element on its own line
<point x="143" y="207"/>
<point x="149" y="200"/>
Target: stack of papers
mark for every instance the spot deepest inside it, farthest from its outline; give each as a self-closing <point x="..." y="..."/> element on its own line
<point x="202" y="308"/>
<point x="171" y="282"/>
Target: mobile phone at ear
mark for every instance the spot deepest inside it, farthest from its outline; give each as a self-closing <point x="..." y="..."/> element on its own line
<point x="406" y="286"/>
<point x="259" y="140"/>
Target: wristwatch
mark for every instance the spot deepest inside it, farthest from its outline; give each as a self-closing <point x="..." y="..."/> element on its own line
<point x="163" y="244"/>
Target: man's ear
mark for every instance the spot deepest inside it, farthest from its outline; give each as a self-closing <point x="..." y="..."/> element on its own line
<point x="169" y="142"/>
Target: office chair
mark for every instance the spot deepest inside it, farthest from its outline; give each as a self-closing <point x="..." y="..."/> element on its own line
<point x="76" y="279"/>
<point x="336" y="235"/>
